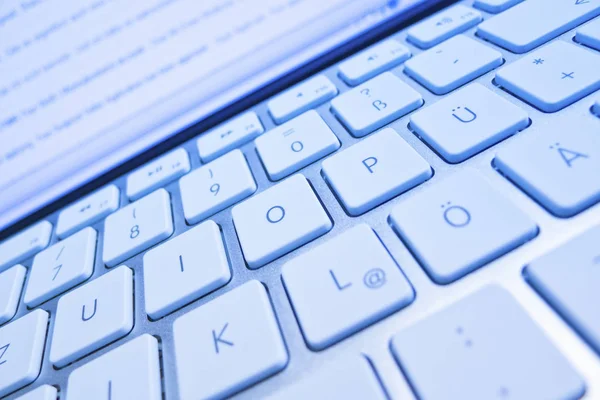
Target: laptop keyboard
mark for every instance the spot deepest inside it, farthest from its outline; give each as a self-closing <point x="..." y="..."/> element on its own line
<point x="417" y="221"/>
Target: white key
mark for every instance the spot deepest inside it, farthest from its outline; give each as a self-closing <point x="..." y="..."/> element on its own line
<point x="589" y="34"/>
<point x="349" y="377"/>
<point x="215" y="186"/>
<point x="373" y="61"/>
<point x="136" y="227"/>
<point x="131" y="371"/>
<point x="93" y="316"/>
<point x="375" y="103"/>
<point x="374" y="170"/>
<point x="11" y="285"/>
<point x="87" y="211"/>
<point x="296" y="144"/>
<point x="61" y="267"/>
<point x="44" y="392"/>
<point x="21" y="350"/>
<point x="443" y="25"/>
<point x="343" y="286"/>
<point x="302" y="97"/>
<point x="25" y="244"/>
<point x="184" y="269"/>
<point x="279" y="220"/>
<point x="495" y="6"/>
<point x="157" y="173"/>
<point x="228" y="344"/>
<point x="228" y="136"/>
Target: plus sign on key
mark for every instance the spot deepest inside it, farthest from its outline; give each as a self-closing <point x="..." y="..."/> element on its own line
<point x="553" y="77"/>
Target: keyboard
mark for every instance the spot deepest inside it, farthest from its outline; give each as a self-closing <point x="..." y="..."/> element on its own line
<point x="420" y="220"/>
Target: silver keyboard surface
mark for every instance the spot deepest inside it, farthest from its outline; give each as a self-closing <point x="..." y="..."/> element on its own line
<point x="273" y="280"/>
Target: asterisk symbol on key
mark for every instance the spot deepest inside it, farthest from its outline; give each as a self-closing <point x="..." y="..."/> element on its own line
<point x="538" y="61"/>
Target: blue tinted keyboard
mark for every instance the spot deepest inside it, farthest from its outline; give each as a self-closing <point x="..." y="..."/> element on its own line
<point x="420" y="220"/>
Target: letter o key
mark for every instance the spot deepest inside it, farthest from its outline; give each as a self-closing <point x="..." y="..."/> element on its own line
<point x="275" y="214"/>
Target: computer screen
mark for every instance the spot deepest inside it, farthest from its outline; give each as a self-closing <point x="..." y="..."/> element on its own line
<point x="86" y="85"/>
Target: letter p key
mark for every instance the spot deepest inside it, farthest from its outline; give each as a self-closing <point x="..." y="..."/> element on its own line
<point x="369" y="163"/>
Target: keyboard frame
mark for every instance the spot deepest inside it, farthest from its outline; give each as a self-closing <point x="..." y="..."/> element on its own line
<point x="373" y="342"/>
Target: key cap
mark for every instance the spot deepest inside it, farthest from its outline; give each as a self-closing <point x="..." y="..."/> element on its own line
<point x="296" y="144"/>
<point x="131" y="371"/>
<point x="228" y="136"/>
<point x="534" y="22"/>
<point x="353" y="282"/>
<point x="373" y="61"/>
<point x="347" y="378"/>
<point x="11" y="285"/>
<point x="375" y="103"/>
<point x="452" y="64"/>
<point x="216" y="186"/>
<point x="184" y="269"/>
<point x="552" y="77"/>
<point x="24" y="244"/>
<point x="495" y="6"/>
<point x="157" y="173"/>
<point x="375" y="170"/>
<point x="279" y="220"/>
<point x="93" y="316"/>
<point x="596" y="108"/>
<point x="467" y="122"/>
<point x="61" y="267"/>
<point x="589" y="34"/>
<point x="91" y="209"/>
<point x="568" y="278"/>
<point x="44" y="392"/>
<point x="136" y="227"/>
<point x="558" y="166"/>
<point x="21" y="350"/>
<point x="484" y="347"/>
<point x="300" y="98"/>
<point x="228" y="344"/>
<point x="459" y="225"/>
<point x="443" y="25"/>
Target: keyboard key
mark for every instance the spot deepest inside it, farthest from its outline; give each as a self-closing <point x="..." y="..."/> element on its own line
<point x="136" y="227"/>
<point x="44" y="392"/>
<point x="467" y="122"/>
<point x="184" y="269"/>
<point x="228" y="344"/>
<point x="495" y="6"/>
<point x="131" y="371"/>
<point x="568" y="278"/>
<point x="347" y="378"/>
<point x="443" y="25"/>
<point x="61" y="267"/>
<point x="353" y="282"/>
<point x="21" y="350"/>
<point x="279" y="220"/>
<point x="373" y="61"/>
<point x="375" y="103"/>
<point x="484" y="347"/>
<point x="11" y="285"/>
<point x="452" y="64"/>
<point x="553" y="77"/>
<point x="596" y="108"/>
<point x="24" y="244"/>
<point x="375" y="170"/>
<point x="589" y="34"/>
<point x="534" y="22"/>
<point x="296" y="144"/>
<point x="558" y="166"/>
<point x="157" y="173"/>
<point x="228" y="136"/>
<point x="92" y="316"/>
<point x="215" y="186"/>
<point x="438" y="222"/>
<point x="302" y="97"/>
<point x="87" y="211"/>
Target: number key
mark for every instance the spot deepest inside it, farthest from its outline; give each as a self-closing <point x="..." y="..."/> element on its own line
<point x="216" y="186"/>
<point x="136" y="227"/>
